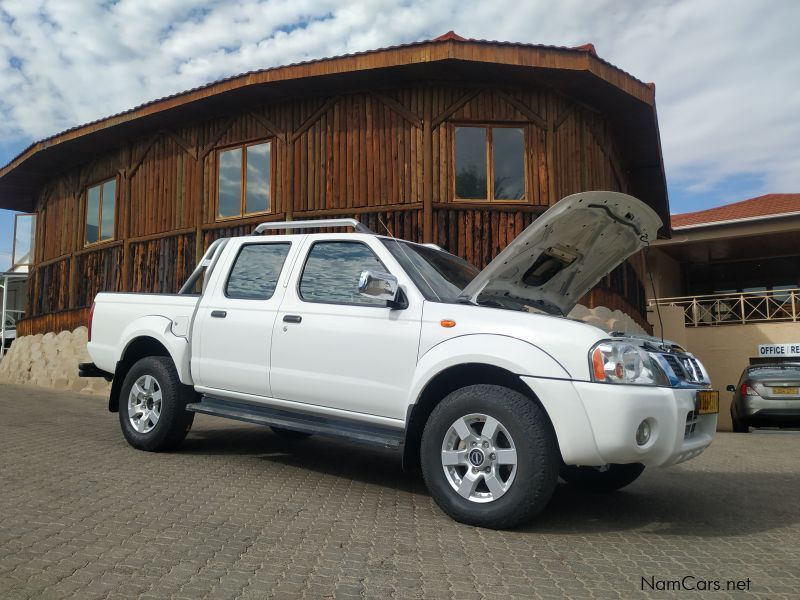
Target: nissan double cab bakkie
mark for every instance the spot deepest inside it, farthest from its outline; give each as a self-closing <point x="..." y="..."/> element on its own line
<point x="478" y="377"/>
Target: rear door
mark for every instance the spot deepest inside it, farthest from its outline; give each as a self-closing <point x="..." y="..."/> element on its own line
<point x="233" y="327"/>
<point x="335" y="348"/>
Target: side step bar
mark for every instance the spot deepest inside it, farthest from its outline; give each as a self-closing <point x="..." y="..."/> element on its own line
<point x="263" y="415"/>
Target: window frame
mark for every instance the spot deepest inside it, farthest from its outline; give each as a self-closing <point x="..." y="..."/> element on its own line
<point x="101" y="184"/>
<point x="489" y="141"/>
<point x="236" y="258"/>
<point x="243" y="174"/>
<point x="32" y="250"/>
<point x="335" y="241"/>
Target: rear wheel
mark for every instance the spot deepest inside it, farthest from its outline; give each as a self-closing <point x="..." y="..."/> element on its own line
<point x="152" y="408"/>
<point x="739" y="426"/>
<point x="607" y="478"/>
<point x="489" y="456"/>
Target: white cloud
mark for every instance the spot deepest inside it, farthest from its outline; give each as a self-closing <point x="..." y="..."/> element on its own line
<point x="726" y="72"/>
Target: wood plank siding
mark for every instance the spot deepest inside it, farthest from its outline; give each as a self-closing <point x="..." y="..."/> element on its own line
<point x="384" y="156"/>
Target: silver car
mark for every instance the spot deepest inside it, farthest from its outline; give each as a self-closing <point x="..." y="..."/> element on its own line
<point x="768" y="395"/>
<point x="11" y="331"/>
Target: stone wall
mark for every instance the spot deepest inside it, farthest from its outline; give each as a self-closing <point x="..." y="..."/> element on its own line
<point x="51" y="360"/>
<point x="607" y="319"/>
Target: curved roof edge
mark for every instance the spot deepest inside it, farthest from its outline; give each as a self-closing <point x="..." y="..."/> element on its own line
<point x="447" y="46"/>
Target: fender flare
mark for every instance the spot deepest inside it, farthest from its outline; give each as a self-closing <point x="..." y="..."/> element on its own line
<point x="509" y="357"/>
<point x="159" y="328"/>
<point x="509" y="353"/>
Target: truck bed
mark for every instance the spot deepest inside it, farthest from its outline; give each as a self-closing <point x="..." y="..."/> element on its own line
<point x="115" y="313"/>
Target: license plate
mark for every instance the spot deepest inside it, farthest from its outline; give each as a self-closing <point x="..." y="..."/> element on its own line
<point x="707" y="402"/>
<point x="784" y="391"/>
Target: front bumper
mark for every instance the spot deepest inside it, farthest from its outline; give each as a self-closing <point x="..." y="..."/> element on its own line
<point x="596" y="423"/>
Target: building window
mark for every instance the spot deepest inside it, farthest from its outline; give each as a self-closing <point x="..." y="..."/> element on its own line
<point x="101" y="206"/>
<point x="490" y="163"/>
<point x="24" y="240"/>
<point x="243" y="180"/>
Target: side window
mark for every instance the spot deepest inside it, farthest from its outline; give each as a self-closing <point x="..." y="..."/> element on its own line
<point x="332" y="272"/>
<point x="255" y="272"/>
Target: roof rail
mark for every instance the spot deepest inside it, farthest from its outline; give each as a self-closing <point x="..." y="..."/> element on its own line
<point x="357" y="225"/>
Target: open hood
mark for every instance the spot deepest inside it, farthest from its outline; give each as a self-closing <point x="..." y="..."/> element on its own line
<point x="565" y="252"/>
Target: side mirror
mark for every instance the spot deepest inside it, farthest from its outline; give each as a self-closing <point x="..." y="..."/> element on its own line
<point x="731" y="388"/>
<point x="383" y="286"/>
<point x="374" y="284"/>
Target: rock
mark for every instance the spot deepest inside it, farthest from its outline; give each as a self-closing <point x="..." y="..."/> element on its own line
<point x="606" y="319"/>
<point x="51" y="360"/>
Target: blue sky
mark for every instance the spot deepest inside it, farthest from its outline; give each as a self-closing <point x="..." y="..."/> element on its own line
<point x="726" y="72"/>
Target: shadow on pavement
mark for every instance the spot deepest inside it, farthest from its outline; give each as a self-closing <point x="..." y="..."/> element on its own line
<point x="673" y="501"/>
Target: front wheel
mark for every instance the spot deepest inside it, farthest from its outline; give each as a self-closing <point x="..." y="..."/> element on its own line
<point x="152" y="407"/>
<point x="489" y="456"/>
<point x="607" y="478"/>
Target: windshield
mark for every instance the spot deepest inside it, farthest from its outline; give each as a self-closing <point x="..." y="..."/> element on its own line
<point x="439" y="275"/>
<point x="775" y="371"/>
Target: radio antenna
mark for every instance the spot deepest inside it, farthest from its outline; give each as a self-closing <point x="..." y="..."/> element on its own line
<point x="408" y="258"/>
<point x="653" y="286"/>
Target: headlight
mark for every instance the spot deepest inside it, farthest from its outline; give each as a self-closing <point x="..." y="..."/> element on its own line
<point x="623" y="362"/>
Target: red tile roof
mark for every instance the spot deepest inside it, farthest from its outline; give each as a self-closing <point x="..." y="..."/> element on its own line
<point x="762" y="206"/>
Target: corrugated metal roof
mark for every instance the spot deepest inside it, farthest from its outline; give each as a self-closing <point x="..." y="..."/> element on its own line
<point x="447" y="37"/>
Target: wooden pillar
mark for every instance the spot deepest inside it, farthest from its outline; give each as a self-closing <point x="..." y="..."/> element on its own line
<point x="287" y="202"/>
<point x="550" y="136"/>
<point x="77" y="197"/>
<point x="427" y="168"/>
<point x="197" y="202"/>
<point x="125" y="204"/>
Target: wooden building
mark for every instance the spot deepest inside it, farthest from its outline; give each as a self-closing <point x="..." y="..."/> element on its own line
<point x="457" y="142"/>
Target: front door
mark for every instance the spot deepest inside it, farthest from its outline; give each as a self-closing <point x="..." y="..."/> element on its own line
<point x="234" y="323"/>
<point x="333" y="347"/>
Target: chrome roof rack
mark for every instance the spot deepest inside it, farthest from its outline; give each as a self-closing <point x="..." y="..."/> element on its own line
<point x="357" y="225"/>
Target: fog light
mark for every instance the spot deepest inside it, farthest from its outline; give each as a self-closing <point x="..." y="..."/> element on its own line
<point x="643" y="433"/>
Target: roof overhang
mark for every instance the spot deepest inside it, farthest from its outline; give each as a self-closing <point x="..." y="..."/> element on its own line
<point x="629" y="104"/>
<point x="741" y="239"/>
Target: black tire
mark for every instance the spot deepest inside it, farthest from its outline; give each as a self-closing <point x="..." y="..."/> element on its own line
<point x="289" y="434"/>
<point x="174" y="421"/>
<point x="537" y="456"/>
<point x="592" y="479"/>
<point x="739" y="427"/>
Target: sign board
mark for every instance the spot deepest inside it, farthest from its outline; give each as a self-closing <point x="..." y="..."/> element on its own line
<point x="779" y="350"/>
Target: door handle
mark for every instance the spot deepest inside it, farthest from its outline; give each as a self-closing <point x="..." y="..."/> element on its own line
<point x="292" y="318"/>
<point x="219" y="314"/>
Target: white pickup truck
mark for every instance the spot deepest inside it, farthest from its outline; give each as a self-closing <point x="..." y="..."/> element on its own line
<point x="477" y="376"/>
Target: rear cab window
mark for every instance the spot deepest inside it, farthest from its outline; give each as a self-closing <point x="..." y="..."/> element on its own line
<point x="332" y="270"/>
<point x="256" y="270"/>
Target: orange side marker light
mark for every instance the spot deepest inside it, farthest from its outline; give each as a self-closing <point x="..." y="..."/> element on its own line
<point x="597" y="364"/>
<point x="447" y="323"/>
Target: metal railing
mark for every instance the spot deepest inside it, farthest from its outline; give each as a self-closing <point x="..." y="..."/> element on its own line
<point x="737" y="308"/>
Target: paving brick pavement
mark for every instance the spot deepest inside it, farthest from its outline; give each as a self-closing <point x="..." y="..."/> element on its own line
<point x="240" y="513"/>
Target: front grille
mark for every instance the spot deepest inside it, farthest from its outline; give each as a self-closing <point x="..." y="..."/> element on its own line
<point x="672" y="361"/>
<point x="686" y="368"/>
